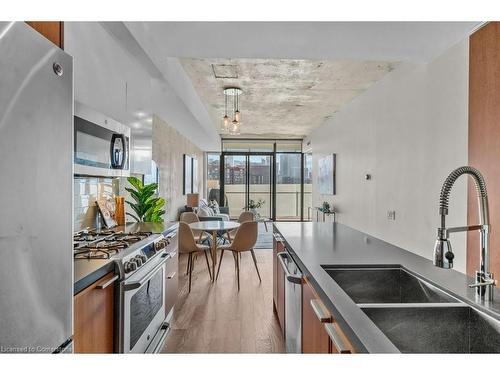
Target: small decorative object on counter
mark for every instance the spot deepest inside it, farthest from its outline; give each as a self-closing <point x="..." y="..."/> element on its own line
<point x="325" y="207"/>
<point x="107" y="209"/>
<point x="148" y="207"/>
<point x="120" y="210"/>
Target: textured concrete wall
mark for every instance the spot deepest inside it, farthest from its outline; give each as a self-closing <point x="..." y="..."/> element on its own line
<point x="408" y="131"/>
<point x="169" y="146"/>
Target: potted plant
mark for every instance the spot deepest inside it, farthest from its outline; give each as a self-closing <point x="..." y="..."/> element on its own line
<point x="325" y="207"/>
<point x="147" y="207"/>
<point x="253" y="205"/>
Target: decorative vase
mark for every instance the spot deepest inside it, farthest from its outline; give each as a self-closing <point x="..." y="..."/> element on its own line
<point x="120" y="210"/>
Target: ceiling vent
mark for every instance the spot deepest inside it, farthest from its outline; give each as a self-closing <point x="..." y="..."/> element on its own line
<point x="225" y="71"/>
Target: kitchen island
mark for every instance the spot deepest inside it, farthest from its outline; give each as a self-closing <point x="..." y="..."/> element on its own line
<point x="317" y="248"/>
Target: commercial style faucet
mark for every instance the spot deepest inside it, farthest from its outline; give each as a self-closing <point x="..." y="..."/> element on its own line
<point x="443" y="254"/>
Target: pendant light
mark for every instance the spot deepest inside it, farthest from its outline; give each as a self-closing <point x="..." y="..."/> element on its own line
<point x="228" y="125"/>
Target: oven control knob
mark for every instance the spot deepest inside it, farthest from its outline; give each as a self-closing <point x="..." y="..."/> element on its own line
<point x="144" y="258"/>
<point x="160" y="245"/>
<point x="129" y="267"/>
<point x="138" y="260"/>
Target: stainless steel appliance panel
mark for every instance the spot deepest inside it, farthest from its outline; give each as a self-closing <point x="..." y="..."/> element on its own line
<point x="101" y="144"/>
<point x="143" y="307"/>
<point x="293" y="303"/>
<point x="36" y="155"/>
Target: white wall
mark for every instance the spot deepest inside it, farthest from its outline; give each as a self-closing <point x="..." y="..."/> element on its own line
<point x="408" y="131"/>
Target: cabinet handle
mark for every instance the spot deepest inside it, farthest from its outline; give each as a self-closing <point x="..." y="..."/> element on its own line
<point x="336" y="339"/>
<point x="107" y="283"/>
<point x="171" y="276"/>
<point x="322" y="315"/>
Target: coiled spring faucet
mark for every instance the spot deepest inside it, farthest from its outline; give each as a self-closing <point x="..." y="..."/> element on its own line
<point x="443" y="254"/>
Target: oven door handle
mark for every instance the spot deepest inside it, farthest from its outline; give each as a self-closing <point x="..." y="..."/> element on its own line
<point x="138" y="284"/>
<point x="292" y="278"/>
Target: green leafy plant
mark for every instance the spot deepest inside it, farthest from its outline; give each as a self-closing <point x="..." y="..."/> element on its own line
<point x="253" y="205"/>
<point x="147" y="207"/>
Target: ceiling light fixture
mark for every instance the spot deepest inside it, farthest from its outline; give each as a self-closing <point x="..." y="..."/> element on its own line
<point x="233" y="126"/>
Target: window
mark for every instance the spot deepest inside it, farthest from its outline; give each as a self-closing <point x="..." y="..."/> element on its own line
<point x="213" y="172"/>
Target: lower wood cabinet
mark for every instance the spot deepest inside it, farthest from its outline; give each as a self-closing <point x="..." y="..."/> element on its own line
<point x="315" y="339"/>
<point x="94" y="317"/>
<point x="320" y="331"/>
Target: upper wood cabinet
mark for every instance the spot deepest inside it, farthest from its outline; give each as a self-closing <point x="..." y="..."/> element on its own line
<point x="53" y="31"/>
<point x="94" y="317"/>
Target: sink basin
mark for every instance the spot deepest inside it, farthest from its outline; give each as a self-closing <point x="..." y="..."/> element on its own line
<point x="385" y="285"/>
<point x="447" y="328"/>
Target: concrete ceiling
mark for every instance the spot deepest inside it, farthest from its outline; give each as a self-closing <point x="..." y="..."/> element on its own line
<point x="294" y="73"/>
<point x="282" y="98"/>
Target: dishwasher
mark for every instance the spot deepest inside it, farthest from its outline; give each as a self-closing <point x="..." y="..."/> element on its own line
<point x="293" y="303"/>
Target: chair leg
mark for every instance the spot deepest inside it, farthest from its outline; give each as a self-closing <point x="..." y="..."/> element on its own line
<point x="208" y="264"/>
<point x="220" y="262"/>
<point x="189" y="264"/>
<point x="238" y="271"/>
<point x="255" y="262"/>
<point x="234" y="258"/>
<point x="190" y="270"/>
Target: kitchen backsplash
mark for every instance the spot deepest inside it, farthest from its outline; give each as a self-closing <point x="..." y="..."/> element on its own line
<point x="86" y="192"/>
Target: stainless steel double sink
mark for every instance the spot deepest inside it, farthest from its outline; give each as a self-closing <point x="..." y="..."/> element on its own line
<point x="415" y="315"/>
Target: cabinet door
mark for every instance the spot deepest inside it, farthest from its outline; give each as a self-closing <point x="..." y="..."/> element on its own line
<point x="94" y="317"/>
<point x="280" y="288"/>
<point x="315" y="338"/>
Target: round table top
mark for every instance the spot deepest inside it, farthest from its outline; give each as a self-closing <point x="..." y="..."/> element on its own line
<point x="214" y="225"/>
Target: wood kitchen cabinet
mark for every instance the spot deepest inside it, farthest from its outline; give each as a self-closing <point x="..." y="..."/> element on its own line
<point x="279" y="283"/>
<point x="94" y="317"/>
<point x="320" y="332"/>
<point x="53" y="31"/>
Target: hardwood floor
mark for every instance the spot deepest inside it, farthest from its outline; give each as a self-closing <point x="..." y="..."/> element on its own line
<point x="215" y="318"/>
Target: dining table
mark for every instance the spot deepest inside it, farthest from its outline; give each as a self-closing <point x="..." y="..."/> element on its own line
<point x="213" y="227"/>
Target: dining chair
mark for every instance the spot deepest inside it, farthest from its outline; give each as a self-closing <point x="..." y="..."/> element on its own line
<point x="188" y="245"/>
<point x="191" y="217"/>
<point x="244" y="216"/>
<point x="244" y="240"/>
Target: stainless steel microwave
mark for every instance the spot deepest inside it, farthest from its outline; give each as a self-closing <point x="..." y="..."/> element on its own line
<point x="101" y="145"/>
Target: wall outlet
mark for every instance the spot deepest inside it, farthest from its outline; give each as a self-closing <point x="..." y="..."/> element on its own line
<point x="391" y="215"/>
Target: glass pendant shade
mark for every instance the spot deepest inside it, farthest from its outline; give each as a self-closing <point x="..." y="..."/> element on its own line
<point x="237" y="116"/>
<point x="226" y="122"/>
<point x="235" y="128"/>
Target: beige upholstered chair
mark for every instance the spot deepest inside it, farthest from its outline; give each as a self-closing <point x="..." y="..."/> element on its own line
<point x="191" y="217"/>
<point x="244" y="240"/>
<point x="244" y="216"/>
<point x="187" y="245"/>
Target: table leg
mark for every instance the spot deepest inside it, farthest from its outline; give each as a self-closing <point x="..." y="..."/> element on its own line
<point x="265" y="225"/>
<point x="214" y="253"/>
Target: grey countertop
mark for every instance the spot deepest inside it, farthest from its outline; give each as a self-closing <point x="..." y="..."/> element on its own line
<point x="313" y="245"/>
<point x="88" y="271"/>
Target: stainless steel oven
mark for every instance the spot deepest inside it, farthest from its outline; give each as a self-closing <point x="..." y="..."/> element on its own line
<point x="142" y="307"/>
<point x="101" y="144"/>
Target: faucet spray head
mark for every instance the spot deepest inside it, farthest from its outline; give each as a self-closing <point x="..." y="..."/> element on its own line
<point x="443" y="254"/>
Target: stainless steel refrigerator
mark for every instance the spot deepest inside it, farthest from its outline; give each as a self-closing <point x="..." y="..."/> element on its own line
<point x="36" y="172"/>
